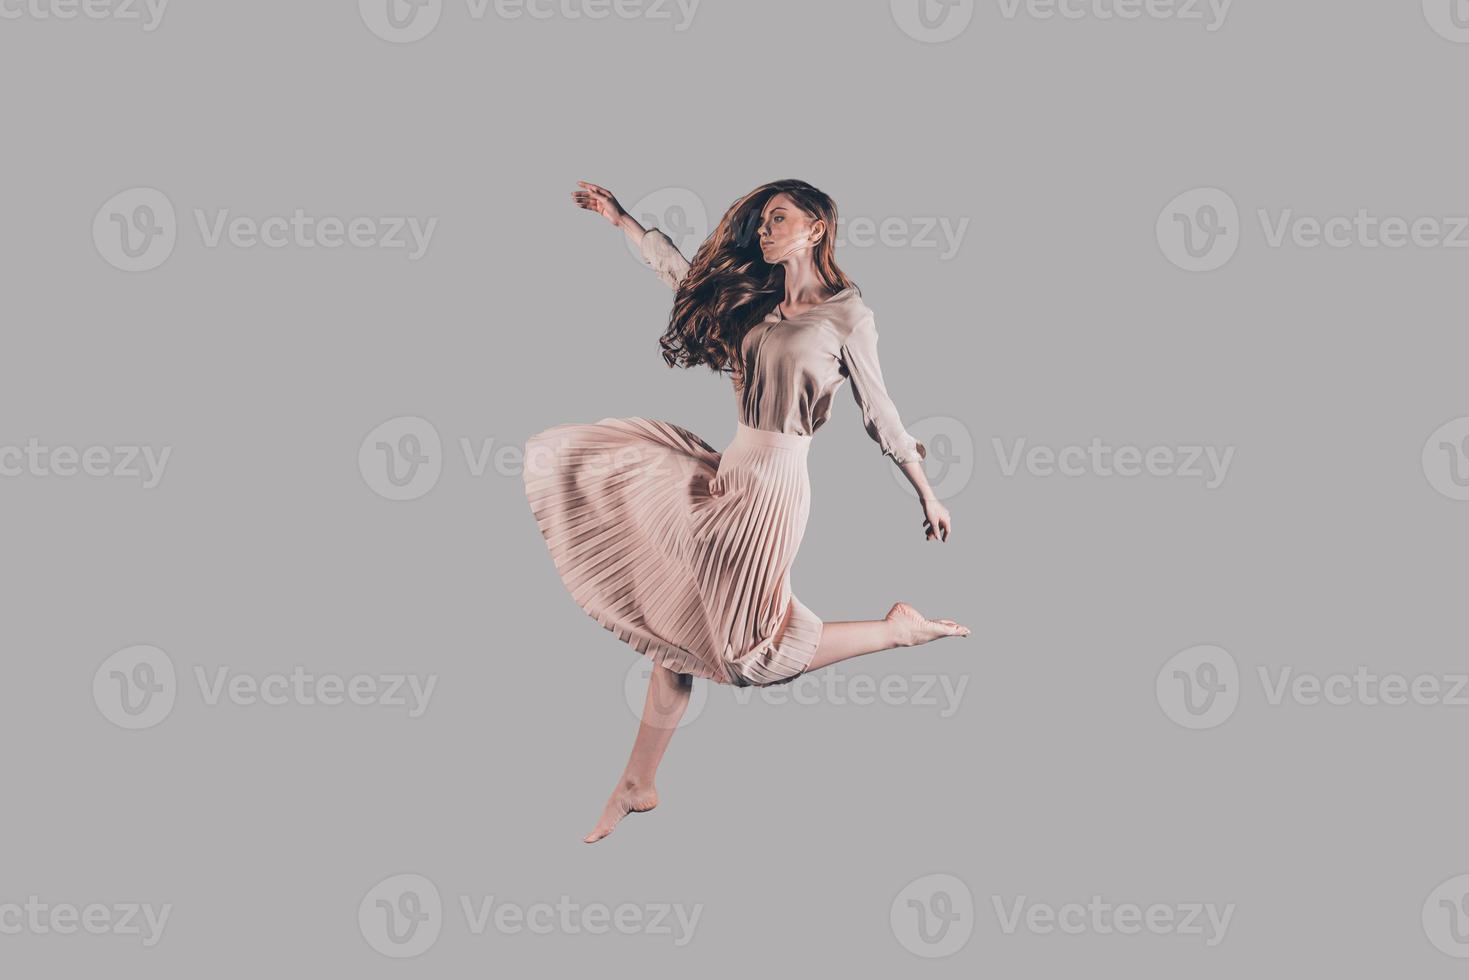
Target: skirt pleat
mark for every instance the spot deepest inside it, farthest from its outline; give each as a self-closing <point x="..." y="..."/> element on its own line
<point x="681" y="551"/>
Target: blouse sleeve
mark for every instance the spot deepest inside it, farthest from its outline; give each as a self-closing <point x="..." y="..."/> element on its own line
<point x="663" y="257"/>
<point x="879" y="415"/>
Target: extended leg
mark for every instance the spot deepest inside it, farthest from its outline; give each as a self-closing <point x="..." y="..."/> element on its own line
<point x="668" y="695"/>
<point x="903" y="626"/>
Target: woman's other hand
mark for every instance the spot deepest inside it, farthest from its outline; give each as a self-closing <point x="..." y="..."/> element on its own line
<point x="935" y="520"/>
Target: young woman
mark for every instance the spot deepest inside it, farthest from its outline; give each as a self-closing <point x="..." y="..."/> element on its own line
<point x="684" y="552"/>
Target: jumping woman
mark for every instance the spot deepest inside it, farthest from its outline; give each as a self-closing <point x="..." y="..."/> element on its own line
<point x="685" y="552"/>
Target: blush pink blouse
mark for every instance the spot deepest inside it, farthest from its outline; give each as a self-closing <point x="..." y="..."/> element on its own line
<point x="793" y="366"/>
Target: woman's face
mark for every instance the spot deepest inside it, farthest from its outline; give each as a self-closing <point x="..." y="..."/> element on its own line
<point x="786" y="229"/>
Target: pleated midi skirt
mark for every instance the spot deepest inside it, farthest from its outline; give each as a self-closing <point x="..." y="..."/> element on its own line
<point x="683" y="552"/>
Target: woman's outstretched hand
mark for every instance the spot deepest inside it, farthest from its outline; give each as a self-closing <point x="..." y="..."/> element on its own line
<point x="598" y="199"/>
<point x="935" y="520"/>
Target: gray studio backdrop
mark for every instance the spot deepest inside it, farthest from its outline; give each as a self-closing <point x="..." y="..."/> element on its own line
<point x="1174" y="289"/>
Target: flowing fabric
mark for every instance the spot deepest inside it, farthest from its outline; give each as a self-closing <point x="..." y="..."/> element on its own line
<point x="682" y="552"/>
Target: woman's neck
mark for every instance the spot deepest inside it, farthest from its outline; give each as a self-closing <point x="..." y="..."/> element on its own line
<point x="804" y="287"/>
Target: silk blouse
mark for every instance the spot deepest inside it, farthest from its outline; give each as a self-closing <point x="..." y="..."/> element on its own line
<point x="793" y="366"/>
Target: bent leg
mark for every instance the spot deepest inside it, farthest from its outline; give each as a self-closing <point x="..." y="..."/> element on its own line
<point x="668" y="696"/>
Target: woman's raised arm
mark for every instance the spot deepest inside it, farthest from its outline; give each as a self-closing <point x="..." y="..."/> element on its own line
<point x="662" y="256"/>
<point x="656" y="248"/>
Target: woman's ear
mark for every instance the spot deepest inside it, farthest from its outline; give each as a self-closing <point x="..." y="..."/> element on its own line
<point x="818" y="231"/>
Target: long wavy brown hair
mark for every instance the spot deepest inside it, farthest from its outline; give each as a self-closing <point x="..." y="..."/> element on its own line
<point x="729" y="287"/>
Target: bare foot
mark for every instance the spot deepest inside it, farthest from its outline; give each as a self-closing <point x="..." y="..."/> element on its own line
<point x="629" y="797"/>
<point x="911" y="628"/>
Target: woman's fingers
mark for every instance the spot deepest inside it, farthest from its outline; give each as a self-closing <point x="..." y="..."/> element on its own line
<point x="939" y="531"/>
<point x="590" y="202"/>
<point x="600" y="192"/>
<point x="593" y="193"/>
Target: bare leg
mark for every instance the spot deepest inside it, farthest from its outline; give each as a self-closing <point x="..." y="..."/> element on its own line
<point x="668" y="695"/>
<point x="904" y="626"/>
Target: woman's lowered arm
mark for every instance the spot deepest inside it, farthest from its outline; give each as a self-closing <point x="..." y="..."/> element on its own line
<point x="881" y="420"/>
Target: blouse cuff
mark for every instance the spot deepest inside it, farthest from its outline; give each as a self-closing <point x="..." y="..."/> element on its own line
<point x="663" y="257"/>
<point x="909" y="451"/>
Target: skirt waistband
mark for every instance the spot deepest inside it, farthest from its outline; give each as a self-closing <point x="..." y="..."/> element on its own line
<point x="750" y="436"/>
